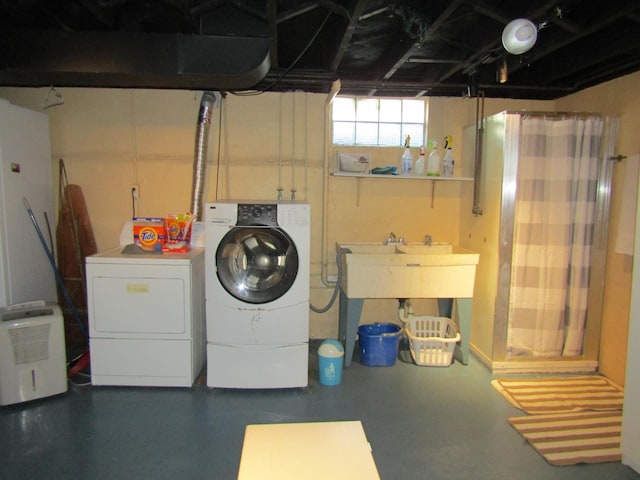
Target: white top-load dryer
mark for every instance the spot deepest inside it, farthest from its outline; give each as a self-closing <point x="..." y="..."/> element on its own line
<point x="146" y="317"/>
<point x="257" y="293"/>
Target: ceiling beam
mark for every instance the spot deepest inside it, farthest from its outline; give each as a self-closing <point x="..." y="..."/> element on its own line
<point x="335" y="8"/>
<point x="492" y="13"/>
<point x="430" y="34"/>
<point x="538" y="54"/>
<point x="356" y="13"/>
<point x="406" y="49"/>
<point x="98" y="12"/>
<point x="567" y="65"/>
<point x="299" y="9"/>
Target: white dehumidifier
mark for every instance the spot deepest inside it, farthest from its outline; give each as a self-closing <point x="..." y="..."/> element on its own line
<point x="32" y="352"/>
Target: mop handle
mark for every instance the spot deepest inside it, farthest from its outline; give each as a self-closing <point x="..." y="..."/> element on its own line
<point x="52" y="261"/>
<point x="40" y="236"/>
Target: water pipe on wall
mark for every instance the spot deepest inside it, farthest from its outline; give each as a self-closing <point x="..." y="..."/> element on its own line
<point x="477" y="156"/>
<point x="293" y="147"/>
<point x="335" y="88"/>
<point x="306" y="135"/>
<point x="279" y="147"/>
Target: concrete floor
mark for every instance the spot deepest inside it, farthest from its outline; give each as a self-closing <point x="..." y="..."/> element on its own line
<point x="422" y="423"/>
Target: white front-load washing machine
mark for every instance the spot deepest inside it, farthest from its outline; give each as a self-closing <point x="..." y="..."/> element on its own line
<point x="257" y="293"/>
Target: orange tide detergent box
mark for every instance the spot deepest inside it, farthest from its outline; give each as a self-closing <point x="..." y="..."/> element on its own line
<point x="149" y="233"/>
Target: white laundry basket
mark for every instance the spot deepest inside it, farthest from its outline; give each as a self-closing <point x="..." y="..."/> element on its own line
<point x="432" y="340"/>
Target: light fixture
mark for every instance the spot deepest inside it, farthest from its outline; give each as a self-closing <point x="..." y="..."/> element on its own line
<point x="519" y="36"/>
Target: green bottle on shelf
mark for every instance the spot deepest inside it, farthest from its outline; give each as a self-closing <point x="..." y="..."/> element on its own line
<point x="433" y="162"/>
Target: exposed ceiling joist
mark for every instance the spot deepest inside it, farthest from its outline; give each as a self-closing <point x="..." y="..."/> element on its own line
<point x="407" y="49"/>
<point x="375" y="47"/>
<point x="348" y="34"/>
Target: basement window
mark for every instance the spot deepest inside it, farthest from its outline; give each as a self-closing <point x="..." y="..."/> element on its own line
<point x="379" y="122"/>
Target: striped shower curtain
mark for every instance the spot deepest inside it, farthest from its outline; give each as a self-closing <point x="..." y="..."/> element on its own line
<point x="553" y="235"/>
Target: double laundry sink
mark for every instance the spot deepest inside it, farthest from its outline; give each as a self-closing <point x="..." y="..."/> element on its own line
<point x="377" y="270"/>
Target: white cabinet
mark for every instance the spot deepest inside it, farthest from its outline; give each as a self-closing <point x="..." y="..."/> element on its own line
<point x="146" y="318"/>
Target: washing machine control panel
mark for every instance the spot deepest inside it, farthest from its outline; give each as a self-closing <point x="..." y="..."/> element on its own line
<point x="257" y="214"/>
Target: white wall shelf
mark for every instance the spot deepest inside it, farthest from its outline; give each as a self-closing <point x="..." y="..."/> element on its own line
<point x="405" y="177"/>
<point x="433" y="180"/>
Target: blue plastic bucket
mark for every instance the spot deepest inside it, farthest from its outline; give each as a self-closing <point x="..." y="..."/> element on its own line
<point x="330" y="359"/>
<point x="379" y="344"/>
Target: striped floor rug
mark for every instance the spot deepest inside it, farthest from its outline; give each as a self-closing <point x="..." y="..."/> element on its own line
<point x="570" y="438"/>
<point x="561" y="394"/>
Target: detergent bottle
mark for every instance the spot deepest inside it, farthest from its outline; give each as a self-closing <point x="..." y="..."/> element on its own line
<point x="407" y="160"/>
<point x="448" y="162"/>
<point x="418" y="170"/>
<point x="433" y="162"/>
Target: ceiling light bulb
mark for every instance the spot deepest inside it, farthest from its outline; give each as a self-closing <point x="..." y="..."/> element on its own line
<point x="519" y="36"/>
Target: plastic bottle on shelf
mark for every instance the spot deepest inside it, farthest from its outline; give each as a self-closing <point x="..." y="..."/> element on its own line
<point x="448" y="162"/>
<point x="433" y="162"/>
<point x="418" y="170"/>
<point x="407" y="159"/>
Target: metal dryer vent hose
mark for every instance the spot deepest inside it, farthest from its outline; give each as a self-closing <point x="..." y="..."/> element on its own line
<point x="210" y="100"/>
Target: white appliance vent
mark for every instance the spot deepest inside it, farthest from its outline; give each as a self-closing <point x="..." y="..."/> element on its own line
<point x="30" y="344"/>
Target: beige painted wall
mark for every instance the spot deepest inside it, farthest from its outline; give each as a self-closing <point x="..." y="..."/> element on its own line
<point x="616" y="97"/>
<point x="113" y="138"/>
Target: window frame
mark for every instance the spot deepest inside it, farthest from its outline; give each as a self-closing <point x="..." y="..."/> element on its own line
<point x="379" y="121"/>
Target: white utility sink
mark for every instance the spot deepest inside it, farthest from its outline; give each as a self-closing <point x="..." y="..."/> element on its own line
<point x="377" y="270"/>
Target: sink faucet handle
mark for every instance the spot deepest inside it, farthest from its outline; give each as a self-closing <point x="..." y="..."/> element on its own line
<point x="391" y="238"/>
<point x="427" y="240"/>
<point x="401" y="240"/>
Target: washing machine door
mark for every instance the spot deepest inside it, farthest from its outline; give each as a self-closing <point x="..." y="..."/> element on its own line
<point x="257" y="264"/>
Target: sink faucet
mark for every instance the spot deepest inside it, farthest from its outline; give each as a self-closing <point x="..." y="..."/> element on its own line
<point x="393" y="240"/>
<point x="427" y="240"/>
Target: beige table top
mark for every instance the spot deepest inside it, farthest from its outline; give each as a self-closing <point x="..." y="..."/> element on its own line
<point x="318" y="450"/>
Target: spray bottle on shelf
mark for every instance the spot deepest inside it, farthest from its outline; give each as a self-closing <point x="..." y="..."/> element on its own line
<point x="448" y="162"/>
<point x="418" y="171"/>
<point x="433" y="163"/>
<point x="407" y="160"/>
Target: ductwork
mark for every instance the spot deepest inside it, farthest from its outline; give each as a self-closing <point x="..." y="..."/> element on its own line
<point x="132" y="60"/>
<point x="210" y="100"/>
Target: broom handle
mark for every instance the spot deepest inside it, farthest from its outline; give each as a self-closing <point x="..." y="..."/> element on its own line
<point x="58" y="276"/>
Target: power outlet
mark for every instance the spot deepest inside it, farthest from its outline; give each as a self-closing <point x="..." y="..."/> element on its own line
<point x="135" y="191"/>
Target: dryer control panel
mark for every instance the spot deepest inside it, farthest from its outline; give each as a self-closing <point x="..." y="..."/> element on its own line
<point x="257" y="214"/>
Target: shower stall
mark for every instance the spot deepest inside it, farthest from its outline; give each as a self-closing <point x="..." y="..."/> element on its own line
<point x="539" y="220"/>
